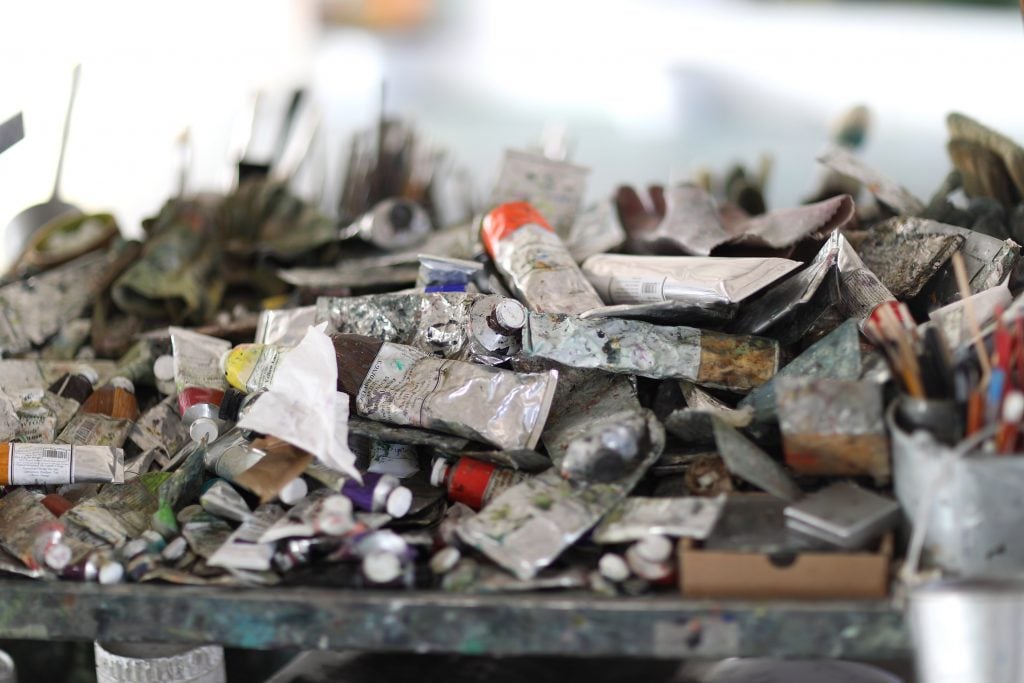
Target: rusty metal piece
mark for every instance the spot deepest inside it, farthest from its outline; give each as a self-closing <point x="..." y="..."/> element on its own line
<point x="833" y="427"/>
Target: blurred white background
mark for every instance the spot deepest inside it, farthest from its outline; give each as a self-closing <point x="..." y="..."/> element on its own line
<point x="646" y="88"/>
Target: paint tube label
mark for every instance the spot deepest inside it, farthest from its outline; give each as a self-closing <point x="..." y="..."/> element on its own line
<point x="251" y="367"/>
<point x="635" y="290"/>
<point x="93" y="429"/>
<point x="33" y="464"/>
<point x="405" y="386"/>
<point x="197" y="359"/>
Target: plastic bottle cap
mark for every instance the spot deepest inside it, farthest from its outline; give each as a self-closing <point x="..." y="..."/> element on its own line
<point x="294" y="491"/>
<point x="381" y="567"/>
<point x="613" y="567"/>
<point x="654" y="548"/>
<point x="88" y="372"/>
<point x="399" y="502"/>
<point x="510" y="314"/>
<point x="122" y="383"/>
<point x="203" y="427"/>
<point x="111" y="572"/>
<point x="444" y="560"/>
<point x="57" y="556"/>
<point x="438" y="472"/>
<point x="163" y="368"/>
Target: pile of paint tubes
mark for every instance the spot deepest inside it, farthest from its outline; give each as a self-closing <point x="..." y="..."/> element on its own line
<point x="545" y="396"/>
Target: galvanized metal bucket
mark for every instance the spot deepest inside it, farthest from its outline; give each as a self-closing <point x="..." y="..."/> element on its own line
<point x="968" y="631"/>
<point x="971" y="506"/>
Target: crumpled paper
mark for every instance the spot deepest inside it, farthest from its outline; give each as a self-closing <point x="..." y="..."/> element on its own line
<point x="304" y="407"/>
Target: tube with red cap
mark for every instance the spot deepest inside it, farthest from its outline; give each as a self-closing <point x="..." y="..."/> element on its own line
<point x="535" y="262"/>
<point x="199" y="380"/>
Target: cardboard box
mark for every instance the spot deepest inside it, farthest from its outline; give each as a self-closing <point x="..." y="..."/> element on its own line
<point x="809" y="575"/>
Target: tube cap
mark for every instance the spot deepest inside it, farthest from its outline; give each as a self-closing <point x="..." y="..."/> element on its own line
<point x="88" y="372"/>
<point x="654" y="548"/>
<point x="293" y="491"/>
<point x="510" y="315"/>
<point x="335" y="516"/>
<point x="231" y="404"/>
<point x="122" y="383"/>
<point x="57" y="556"/>
<point x="382" y="567"/>
<point x="438" y="472"/>
<point x="203" y="427"/>
<point x="613" y="567"/>
<point x="111" y="572"/>
<point x="163" y="368"/>
<point x="399" y="502"/>
<point x="445" y="559"/>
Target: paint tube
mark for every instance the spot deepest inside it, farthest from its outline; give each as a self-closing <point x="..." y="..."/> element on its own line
<point x="118" y="514"/>
<point x="736" y="363"/>
<point x="379" y="493"/>
<point x="34" y="464"/>
<point x="76" y="385"/>
<point x="695" y="423"/>
<point x="833" y="427"/>
<point x="34" y="309"/>
<point x="321" y="513"/>
<point x="284" y="327"/>
<point x="528" y="526"/>
<point x="888" y="191"/>
<point x="784" y="228"/>
<point x="31" y="533"/>
<point x="786" y="298"/>
<point x="402" y="385"/>
<point x="371" y="429"/>
<point x="472" y="482"/>
<point x="860" y="291"/>
<point x="37" y="423"/>
<point x="596" y="230"/>
<point x="554" y="187"/>
<point x="251" y="367"/>
<point x="160" y="430"/>
<point x="608" y="451"/>
<point x="398" y="460"/>
<point x="106" y="418"/>
<point x="392" y="224"/>
<point x="535" y="261"/>
<point x="635" y="518"/>
<point x="232" y="454"/>
<point x="220" y="498"/>
<point x="622" y="279"/>
<point x="243" y="549"/>
<point x="205" y="534"/>
<point x="748" y="462"/>
<point x="199" y="380"/>
<point x="524" y="459"/>
<point x="446" y="274"/>
<point x="462" y="326"/>
<point x="17" y="373"/>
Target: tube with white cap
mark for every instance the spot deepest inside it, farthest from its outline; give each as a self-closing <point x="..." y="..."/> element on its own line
<point x="232" y="454"/>
<point x="199" y="381"/>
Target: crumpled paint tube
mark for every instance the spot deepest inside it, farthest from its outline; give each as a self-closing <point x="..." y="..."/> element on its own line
<point x="160" y="430"/>
<point x="222" y="499"/>
<point x="887" y="190"/>
<point x="483" y="328"/>
<point x="906" y="254"/>
<point x="695" y="423"/>
<point x="737" y="363"/>
<point x="35" y="464"/>
<point x="231" y="455"/>
<point x="34" y="309"/>
<point x="748" y="462"/>
<point x="243" y="549"/>
<point x="785" y="227"/>
<point x="21" y="519"/>
<point x="837" y="356"/>
<point x="535" y="261"/>
<point x="402" y="385"/>
<point x="859" y="290"/>
<point x="833" y="427"/>
<point x="636" y="518"/>
<point x="528" y="526"/>
<point x="596" y="230"/>
<point x="17" y="374"/>
<point x="554" y="187"/>
<point x="286" y="326"/>
<point x="623" y="279"/>
<point x="119" y="513"/>
<point x="781" y="301"/>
